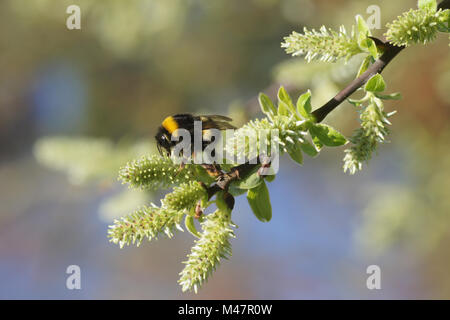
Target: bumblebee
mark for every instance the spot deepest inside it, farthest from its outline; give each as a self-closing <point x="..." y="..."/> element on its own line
<point x="186" y="121"/>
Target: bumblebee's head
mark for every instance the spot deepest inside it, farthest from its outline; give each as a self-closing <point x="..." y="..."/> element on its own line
<point x="163" y="141"/>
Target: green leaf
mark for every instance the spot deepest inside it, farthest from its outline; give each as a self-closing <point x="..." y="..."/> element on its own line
<point x="235" y="191"/>
<point x="317" y="142"/>
<point x="444" y="24"/>
<point x="354" y="102"/>
<point x="266" y="104"/>
<point x="392" y="96"/>
<point x="363" y="31"/>
<point x="259" y="200"/>
<point x="283" y="109"/>
<point x="371" y="47"/>
<point x="375" y="84"/>
<point x="427" y="5"/>
<point x="251" y="181"/>
<point x="327" y="135"/>
<point x="285" y="100"/>
<point x="309" y="149"/>
<point x="190" y="226"/>
<point x="304" y="105"/>
<point x="445" y="27"/>
<point x="364" y="65"/>
<point x="221" y="201"/>
<point x="202" y="175"/>
<point x="295" y="152"/>
<point x="270" y="178"/>
<point x="364" y="42"/>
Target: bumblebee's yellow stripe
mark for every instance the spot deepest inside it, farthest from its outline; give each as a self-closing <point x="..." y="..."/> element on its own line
<point x="170" y="124"/>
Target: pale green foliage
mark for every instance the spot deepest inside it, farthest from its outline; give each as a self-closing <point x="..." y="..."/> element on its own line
<point x="154" y="172"/>
<point x="412" y="214"/>
<point x="121" y="27"/>
<point x="294" y="127"/>
<point x="389" y="217"/>
<point x="418" y="26"/>
<point x="85" y="159"/>
<point x="324" y="79"/>
<point x="213" y="245"/>
<point x="146" y="222"/>
<point x="94" y="160"/>
<point x="291" y="131"/>
<point x="122" y="203"/>
<point x="300" y="74"/>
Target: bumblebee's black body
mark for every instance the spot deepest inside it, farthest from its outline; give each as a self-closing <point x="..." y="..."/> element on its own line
<point x="186" y="121"/>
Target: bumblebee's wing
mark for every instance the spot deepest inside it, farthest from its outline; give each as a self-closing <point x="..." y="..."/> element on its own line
<point x="215" y="117"/>
<point x="216" y="122"/>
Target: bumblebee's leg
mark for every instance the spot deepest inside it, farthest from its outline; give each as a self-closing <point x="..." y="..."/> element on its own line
<point x="198" y="210"/>
<point x="212" y="169"/>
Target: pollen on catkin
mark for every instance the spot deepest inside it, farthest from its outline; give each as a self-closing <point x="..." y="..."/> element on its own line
<point x="154" y="172"/>
<point x="146" y="222"/>
<point x="185" y="196"/>
<point x="205" y="256"/>
<point x="415" y="26"/>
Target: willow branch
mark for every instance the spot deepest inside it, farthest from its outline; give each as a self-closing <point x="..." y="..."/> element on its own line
<point x="240" y="171"/>
<point x="390" y="53"/>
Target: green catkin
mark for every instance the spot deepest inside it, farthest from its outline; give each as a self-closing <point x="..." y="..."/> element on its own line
<point x="185" y="196"/>
<point x="154" y="172"/>
<point x="205" y="256"/>
<point x="324" y="45"/>
<point x="146" y="222"/>
<point x="416" y="26"/>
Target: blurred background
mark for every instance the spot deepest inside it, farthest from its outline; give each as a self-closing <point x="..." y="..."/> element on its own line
<point x="75" y="105"/>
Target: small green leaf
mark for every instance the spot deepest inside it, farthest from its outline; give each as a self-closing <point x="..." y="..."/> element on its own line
<point x="190" y="226"/>
<point x="285" y="99"/>
<point x="309" y="149"/>
<point x="202" y="175"/>
<point x="364" y="42"/>
<point x="364" y="65"/>
<point x="444" y="24"/>
<point x="304" y="105"/>
<point x="363" y="31"/>
<point x="295" y="152"/>
<point x="372" y="48"/>
<point x="270" y="178"/>
<point x="251" y="181"/>
<point x="444" y="27"/>
<point x="375" y="84"/>
<point x="283" y="109"/>
<point x="392" y="96"/>
<point x="221" y="201"/>
<point x="327" y="135"/>
<point x="317" y="142"/>
<point x="235" y="191"/>
<point x="259" y="200"/>
<point x="354" y="102"/>
<point x="427" y="5"/>
<point x="266" y="104"/>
